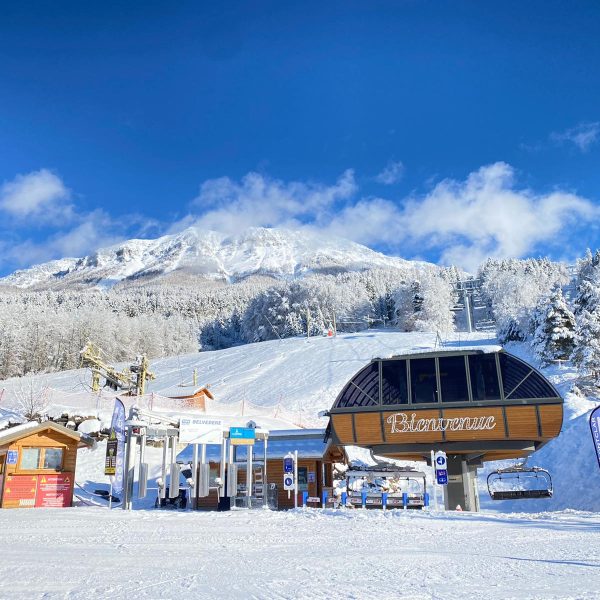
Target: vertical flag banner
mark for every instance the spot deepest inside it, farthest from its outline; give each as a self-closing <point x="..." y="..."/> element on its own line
<point x="116" y="445"/>
<point x="595" y="429"/>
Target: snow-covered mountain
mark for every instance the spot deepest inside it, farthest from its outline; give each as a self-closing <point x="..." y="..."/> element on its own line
<point x="209" y="254"/>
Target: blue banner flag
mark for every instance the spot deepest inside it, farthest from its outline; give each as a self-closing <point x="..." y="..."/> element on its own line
<point x="117" y="431"/>
<point x="595" y="428"/>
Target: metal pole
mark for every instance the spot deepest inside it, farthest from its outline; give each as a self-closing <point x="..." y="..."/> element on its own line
<point x="265" y="484"/>
<point x="222" y="469"/>
<point x="433" y="485"/>
<point x="468" y="312"/>
<point x="163" y="492"/>
<point x="110" y="496"/>
<point x="295" y="478"/>
<point x="249" y="475"/>
<point x="129" y="469"/>
<point x="194" y="502"/>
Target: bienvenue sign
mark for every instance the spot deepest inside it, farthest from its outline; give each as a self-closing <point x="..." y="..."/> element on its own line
<point x="403" y="423"/>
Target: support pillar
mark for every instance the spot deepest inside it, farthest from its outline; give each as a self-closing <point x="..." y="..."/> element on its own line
<point x="462" y="485"/>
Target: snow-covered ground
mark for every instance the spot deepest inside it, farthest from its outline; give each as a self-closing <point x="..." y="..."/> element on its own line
<point x="94" y="553"/>
<point x="304" y="376"/>
<point x="88" y="551"/>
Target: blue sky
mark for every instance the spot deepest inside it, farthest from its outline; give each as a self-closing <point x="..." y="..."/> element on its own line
<point x="446" y="131"/>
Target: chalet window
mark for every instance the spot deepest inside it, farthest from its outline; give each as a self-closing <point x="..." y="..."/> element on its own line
<point x="30" y="458"/>
<point x="394" y="382"/>
<point x="53" y="458"/>
<point x="303" y="479"/>
<point x="453" y="379"/>
<point x="423" y="380"/>
<point x="484" y="377"/>
<point x="33" y="459"/>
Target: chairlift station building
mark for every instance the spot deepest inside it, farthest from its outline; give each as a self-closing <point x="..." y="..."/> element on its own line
<point x="475" y="405"/>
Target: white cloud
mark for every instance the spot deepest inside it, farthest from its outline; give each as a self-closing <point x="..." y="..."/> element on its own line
<point x="225" y="205"/>
<point x="462" y="221"/>
<point x="40" y="194"/>
<point x="93" y="230"/>
<point x="582" y="135"/>
<point x="392" y="173"/>
<point x="468" y="221"/>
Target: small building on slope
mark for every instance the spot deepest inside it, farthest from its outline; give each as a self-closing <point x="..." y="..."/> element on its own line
<point x="37" y="464"/>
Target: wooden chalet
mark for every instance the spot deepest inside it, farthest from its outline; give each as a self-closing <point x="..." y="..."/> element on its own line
<point x="37" y="464"/>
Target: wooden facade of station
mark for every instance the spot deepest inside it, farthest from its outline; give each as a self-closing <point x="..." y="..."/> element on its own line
<point x="488" y="406"/>
<point x="37" y="465"/>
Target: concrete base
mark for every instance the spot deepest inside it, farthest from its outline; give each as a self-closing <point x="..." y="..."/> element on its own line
<point x="461" y="490"/>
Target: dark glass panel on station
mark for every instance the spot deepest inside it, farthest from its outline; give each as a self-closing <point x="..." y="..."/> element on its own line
<point x="522" y="381"/>
<point x="394" y="382"/>
<point x="453" y="379"/>
<point x="484" y="377"/>
<point x="423" y="381"/>
<point x="513" y="372"/>
<point x="363" y="389"/>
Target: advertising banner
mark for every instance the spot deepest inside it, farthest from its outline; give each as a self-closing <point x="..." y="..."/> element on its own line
<point x="595" y="429"/>
<point x="117" y="432"/>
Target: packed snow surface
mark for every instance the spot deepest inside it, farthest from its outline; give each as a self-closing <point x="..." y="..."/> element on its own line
<point x="92" y="552"/>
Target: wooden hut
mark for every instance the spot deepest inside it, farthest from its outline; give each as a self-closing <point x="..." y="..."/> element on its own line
<point x="37" y="464"/>
<point x="189" y="396"/>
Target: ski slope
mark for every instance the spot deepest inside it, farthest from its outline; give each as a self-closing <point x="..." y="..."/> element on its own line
<point x="91" y="552"/>
<point x="304" y="376"/>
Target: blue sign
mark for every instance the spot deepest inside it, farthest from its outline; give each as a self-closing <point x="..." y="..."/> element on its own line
<point x="12" y="457"/>
<point x="241" y="433"/>
<point x="117" y="427"/>
<point x="595" y="429"/>
<point x="442" y="476"/>
<point x="440" y="460"/>
<point x="288" y="465"/>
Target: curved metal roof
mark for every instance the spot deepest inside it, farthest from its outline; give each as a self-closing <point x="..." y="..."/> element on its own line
<point x="452" y="377"/>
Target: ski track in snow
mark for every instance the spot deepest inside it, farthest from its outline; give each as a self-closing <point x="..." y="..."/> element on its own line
<point x="312" y="554"/>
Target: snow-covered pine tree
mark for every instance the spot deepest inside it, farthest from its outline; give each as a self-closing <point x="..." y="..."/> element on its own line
<point x="554" y="333"/>
<point x="586" y="354"/>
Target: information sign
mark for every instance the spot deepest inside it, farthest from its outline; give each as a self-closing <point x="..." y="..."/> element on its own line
<point x="288" y="481"/>
<point x="441" y="467"/>
<point x="242" y="436"/>
<point x="288" y="463"/>
<point x="54" y="490"/>
<point x="110" y="462"/>
<point x="200" y="430"/>
<point x="19" y="491"/>
<point x="12" y="456"/>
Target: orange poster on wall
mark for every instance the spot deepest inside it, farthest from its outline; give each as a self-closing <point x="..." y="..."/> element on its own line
<point x="20" y="491"/>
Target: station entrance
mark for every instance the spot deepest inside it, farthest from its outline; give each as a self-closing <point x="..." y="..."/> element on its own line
<point x="475" y="405"/>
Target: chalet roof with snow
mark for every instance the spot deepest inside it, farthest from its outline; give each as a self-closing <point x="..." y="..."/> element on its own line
<point x="7" y="436"/>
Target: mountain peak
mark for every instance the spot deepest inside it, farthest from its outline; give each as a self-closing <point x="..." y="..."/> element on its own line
<point x="279" y="253"/>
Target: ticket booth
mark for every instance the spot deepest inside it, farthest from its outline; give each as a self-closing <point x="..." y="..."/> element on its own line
<point x="37" y="465"/>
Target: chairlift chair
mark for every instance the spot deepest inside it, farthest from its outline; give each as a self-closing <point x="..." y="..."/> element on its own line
<point x="538" y="479"/>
